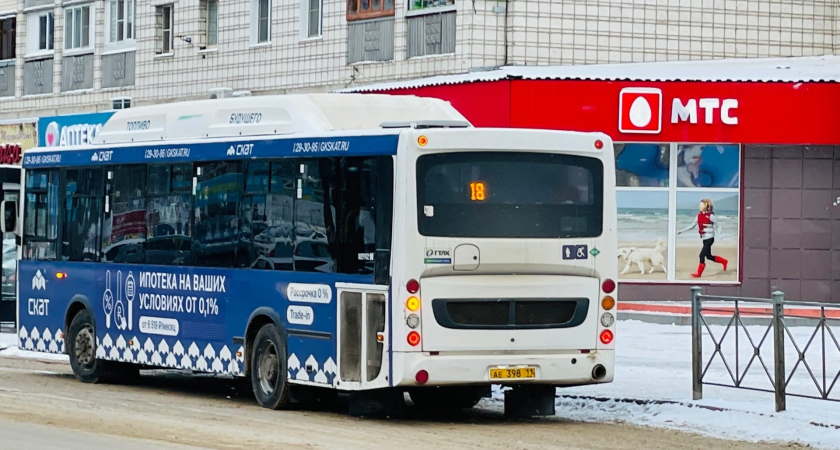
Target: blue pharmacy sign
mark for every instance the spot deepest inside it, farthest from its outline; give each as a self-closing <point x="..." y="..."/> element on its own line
<point x="73" y="129"/>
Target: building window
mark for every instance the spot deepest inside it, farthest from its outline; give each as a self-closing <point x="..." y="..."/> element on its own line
<point x="659" y="190"/>
<point x="77" y="29"/>
<point x="40" y="27"/>
<point x="212" y="22"/>
<point x="422" y="4"/>
<point x="121" y="103"/>
<point x="260" y="21"/>
<point x="366" y="9"/>
<point x="121" y="20"/>
<point x="7" y="38"/>
<point x="164" y="18"/>
<point x="310" y="18"/>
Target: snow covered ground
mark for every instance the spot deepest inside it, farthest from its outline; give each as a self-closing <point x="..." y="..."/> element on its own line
<point x="653" y="362"/>
<point x="9" y="347"/>
<point x="654" y="365"/>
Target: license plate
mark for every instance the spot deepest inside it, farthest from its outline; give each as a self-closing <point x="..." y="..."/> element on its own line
<point x="513" y="373"/>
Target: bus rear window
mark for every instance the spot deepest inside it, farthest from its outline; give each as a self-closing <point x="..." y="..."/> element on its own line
<point x="509" y="195"/>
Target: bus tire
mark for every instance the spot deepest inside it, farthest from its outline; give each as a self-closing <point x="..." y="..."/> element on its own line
<point x="445" y="398"/>
<point x="269" y="368"/>
<point x="81" y="348"/>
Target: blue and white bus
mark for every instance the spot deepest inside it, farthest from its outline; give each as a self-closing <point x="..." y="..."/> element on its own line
<point x="363" y="244"/>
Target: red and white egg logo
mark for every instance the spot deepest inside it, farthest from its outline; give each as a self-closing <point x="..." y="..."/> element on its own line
<point x="640" y="110"/>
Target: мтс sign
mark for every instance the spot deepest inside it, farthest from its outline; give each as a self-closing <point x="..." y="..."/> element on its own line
<point x="687" y="112"/>
<point x="640" y="110"/>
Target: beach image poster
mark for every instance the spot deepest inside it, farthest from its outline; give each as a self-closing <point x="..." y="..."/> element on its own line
<point x="643" y="235"/>
<point x="723" y="265"/>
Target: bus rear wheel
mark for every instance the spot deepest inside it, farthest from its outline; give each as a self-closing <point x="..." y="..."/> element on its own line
<point x="269" y="368"/>
<point x="446" y="398"/>
<point x="81" y="347"/>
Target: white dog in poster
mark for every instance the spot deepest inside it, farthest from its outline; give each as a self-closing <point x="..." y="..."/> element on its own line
<point x="644" y="256"/>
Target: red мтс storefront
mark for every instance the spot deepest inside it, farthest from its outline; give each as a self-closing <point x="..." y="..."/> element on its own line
<point x="760" y="138"/>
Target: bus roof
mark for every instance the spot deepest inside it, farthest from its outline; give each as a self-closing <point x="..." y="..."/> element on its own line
<point x="267" y="116"/>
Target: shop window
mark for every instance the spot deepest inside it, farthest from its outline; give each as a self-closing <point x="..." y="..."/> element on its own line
<point x="659" y="190"/>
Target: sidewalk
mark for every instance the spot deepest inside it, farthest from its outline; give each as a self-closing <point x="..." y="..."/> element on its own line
<point x="719" y="313"/>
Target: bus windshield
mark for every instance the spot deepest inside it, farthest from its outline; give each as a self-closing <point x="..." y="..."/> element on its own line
<point x="509" y="195"/>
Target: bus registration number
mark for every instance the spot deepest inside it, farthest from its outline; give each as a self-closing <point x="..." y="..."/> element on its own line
<point x="513" y="373"/>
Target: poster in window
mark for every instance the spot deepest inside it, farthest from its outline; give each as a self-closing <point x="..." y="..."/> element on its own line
<point x="708" y="166"/>
<point x="707" y="243"/>
<point x="642" y="235"/>
<point x="642" y="165"/>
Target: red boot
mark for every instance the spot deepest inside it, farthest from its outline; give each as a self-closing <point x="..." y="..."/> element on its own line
<point x="699" y="273"/>
<point x="720" y="260"/>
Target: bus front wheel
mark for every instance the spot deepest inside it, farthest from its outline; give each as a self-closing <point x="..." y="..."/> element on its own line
<point x="81" y="348"/>
<point x="269" y="368"/>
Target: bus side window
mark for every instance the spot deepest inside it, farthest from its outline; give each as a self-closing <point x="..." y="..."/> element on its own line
<point x="40" y="227"/>
<point x="357" y="210"/>
<point x="215" y="237"/>
<point x="315" y="216"/>
<point x="124" y="223"/>
<point x="266" y="215"/>
<point x="169" y="215"/>
<point x="80" y="233"/>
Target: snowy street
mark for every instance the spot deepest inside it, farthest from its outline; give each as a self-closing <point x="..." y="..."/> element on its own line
<point x="653" y="363"/>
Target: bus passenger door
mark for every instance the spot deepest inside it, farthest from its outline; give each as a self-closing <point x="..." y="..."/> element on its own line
<point x="362" y="336"/>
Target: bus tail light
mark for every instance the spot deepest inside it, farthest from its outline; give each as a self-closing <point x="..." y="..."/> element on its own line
<point x="608" y="286"/>
<point x="413" y="304"/>
<point x="413" y="321"/>
<point x="422" y="377"/>
<point x="413" y="338"/>
<point x="607" y="319"/>
<point x="412" y="286"/>
<point x="608" y="303"/>
<point x="606" y="337"/>
<point x="599" y="144"/>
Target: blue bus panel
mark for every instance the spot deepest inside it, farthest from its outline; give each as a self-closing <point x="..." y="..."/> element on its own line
<point x="183" y="317"/>
<point x="217" y="151"/>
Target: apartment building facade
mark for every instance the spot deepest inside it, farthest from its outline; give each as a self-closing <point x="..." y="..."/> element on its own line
<point x="71" y="56"/>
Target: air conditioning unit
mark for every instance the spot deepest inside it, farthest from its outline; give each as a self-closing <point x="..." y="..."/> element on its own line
<point x="220" y="93"/>
<point x="242" y="93"/>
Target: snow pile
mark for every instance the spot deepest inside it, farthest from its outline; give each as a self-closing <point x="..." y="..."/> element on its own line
<point x="7" y="340"/>
<point x="9" y="348"/>
<point x="652" y="387"/>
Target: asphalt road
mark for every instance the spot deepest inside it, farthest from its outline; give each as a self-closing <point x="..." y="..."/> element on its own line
<point x="43" y="407"/>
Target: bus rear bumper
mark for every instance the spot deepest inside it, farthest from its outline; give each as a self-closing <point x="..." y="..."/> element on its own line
<point x="561" y="369"/>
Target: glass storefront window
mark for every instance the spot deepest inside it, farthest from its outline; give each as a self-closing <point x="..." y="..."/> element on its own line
<point x="659" y="191"/>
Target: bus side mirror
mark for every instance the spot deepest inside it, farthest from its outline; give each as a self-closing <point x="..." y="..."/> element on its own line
<point x="8" y="210"/>
<point x="382" y="267"/>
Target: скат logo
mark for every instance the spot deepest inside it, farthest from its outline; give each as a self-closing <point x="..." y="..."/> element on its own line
<point x="39" y="282"/>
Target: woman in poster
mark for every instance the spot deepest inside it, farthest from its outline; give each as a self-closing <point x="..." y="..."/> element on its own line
<point x="707" y="224"/>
